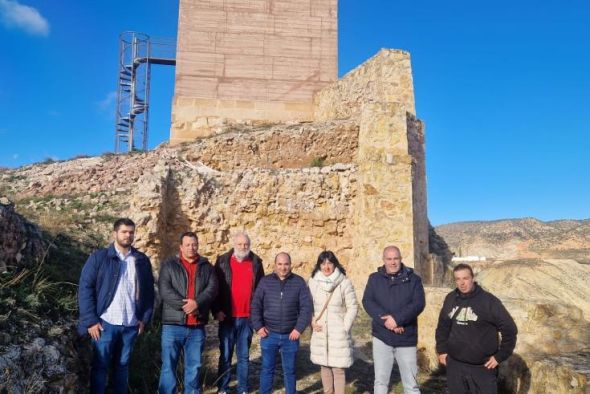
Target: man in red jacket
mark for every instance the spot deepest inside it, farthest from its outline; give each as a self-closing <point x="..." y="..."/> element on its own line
<point x="238" y="273"/>
<point x="467" y="335"/>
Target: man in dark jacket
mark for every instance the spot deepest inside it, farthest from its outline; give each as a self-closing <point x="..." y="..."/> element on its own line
<point x="394" y="297"/>
<point x="188" y="286"/>
<point x="467" y="335"/>
<point x="116" y="301"/>
<point x="281" y="310"/>
<point x="238" y="273"/>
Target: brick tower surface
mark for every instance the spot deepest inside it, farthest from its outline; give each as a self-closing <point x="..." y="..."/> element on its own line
<point x="250" y="60"/>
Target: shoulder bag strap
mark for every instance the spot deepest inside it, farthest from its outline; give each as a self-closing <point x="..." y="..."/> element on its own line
<point x="325" y="305"/>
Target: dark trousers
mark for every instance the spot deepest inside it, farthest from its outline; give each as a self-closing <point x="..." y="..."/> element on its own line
<point x="465" y="378"/>
<point x="235" y="334"/>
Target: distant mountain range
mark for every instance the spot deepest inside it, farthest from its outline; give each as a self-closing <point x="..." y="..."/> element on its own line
<point x="519" y="239"/>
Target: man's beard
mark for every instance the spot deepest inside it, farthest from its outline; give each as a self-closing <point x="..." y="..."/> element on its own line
<point x="241" y="255"/>
<point x="125" y="242"/>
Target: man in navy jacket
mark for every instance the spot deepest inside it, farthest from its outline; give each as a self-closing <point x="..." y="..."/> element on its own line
<point x="116" y="301"/>
<point x="281" y="310"/>
<point x="394" y="297"/>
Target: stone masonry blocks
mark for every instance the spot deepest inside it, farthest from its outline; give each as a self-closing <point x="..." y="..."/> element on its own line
<point x="246" y="62"/>
<point x="385" y="206"/>
<point x="253" y="50"/>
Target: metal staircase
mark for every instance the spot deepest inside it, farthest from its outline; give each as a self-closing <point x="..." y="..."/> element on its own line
<point x="137" y="52"/>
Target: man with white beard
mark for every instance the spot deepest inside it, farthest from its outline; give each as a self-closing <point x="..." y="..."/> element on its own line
<point x="238" y="272"/>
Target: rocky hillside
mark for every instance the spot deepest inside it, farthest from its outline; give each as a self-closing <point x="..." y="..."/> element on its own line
<point x="519" y="239"/>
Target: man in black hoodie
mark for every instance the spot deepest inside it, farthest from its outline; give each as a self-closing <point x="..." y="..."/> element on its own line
<point x="394" y="297"/>
<point x="467" y="335"/>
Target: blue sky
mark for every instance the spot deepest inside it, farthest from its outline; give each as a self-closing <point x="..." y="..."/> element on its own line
<point x="503" y="87"/>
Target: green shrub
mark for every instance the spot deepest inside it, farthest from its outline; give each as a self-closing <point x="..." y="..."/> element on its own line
<point x="318" y="162"/>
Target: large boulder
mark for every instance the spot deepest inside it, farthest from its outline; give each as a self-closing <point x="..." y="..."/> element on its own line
<point x="541" y="373"/>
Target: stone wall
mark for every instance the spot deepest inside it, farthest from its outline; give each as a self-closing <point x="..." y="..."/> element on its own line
<point x="386" y="77"/>
<point x="259" y="59"/>
<point x="368" y="116"/>
<point x="266" y="61"/>
<point x="391" y="160"/>
<point x="386" y="209"/>
<point x="301" y="211"/>
<point x="296" y="145"/>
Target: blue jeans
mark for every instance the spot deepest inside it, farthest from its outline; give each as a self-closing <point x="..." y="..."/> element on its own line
<point x="115" y="343"/>
<point x="191" y="341"/>
<point x="384" y="357"/>
<point x="234" y="334"/>
<point x="270" y="345"/>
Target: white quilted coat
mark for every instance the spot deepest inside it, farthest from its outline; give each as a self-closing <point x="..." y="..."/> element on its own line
<point x="332" y="347"/>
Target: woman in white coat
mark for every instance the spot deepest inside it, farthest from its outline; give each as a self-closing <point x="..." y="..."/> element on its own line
<point x="335" y="308"/>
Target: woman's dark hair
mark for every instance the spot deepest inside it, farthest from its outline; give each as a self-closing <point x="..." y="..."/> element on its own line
<point x="331" y="257"/>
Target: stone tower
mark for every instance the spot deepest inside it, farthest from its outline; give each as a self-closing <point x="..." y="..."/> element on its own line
<point x="242" y="64"/>
<point x="253" y="60"/>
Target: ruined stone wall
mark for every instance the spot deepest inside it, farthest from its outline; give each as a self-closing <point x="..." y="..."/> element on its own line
<point x="257" y="59"/>
<point x="378" y="132"/>
<point x="416" y="143"/>
<point x="293" y="146"/>
<point x="391" y="205"/>
<point x="385" y="212"/>
<point x="386" y="77"/>
<point x="301" y="211"/>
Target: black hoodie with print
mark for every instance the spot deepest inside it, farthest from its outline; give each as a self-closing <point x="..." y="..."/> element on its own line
<point x="468" y="327"/>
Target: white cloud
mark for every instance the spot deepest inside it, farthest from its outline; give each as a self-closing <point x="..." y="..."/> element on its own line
<point x="14" y="14"/>
<point x="107" y="103"/>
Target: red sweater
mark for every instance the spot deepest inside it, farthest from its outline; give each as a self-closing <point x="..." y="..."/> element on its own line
<point x="191" y="270"/>
<point x="242" y="276"/>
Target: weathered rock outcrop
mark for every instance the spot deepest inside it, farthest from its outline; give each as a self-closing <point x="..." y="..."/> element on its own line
<point x="542" y="373"/>
<point x="20" y="243"/>
<point x="42" y="365"/>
